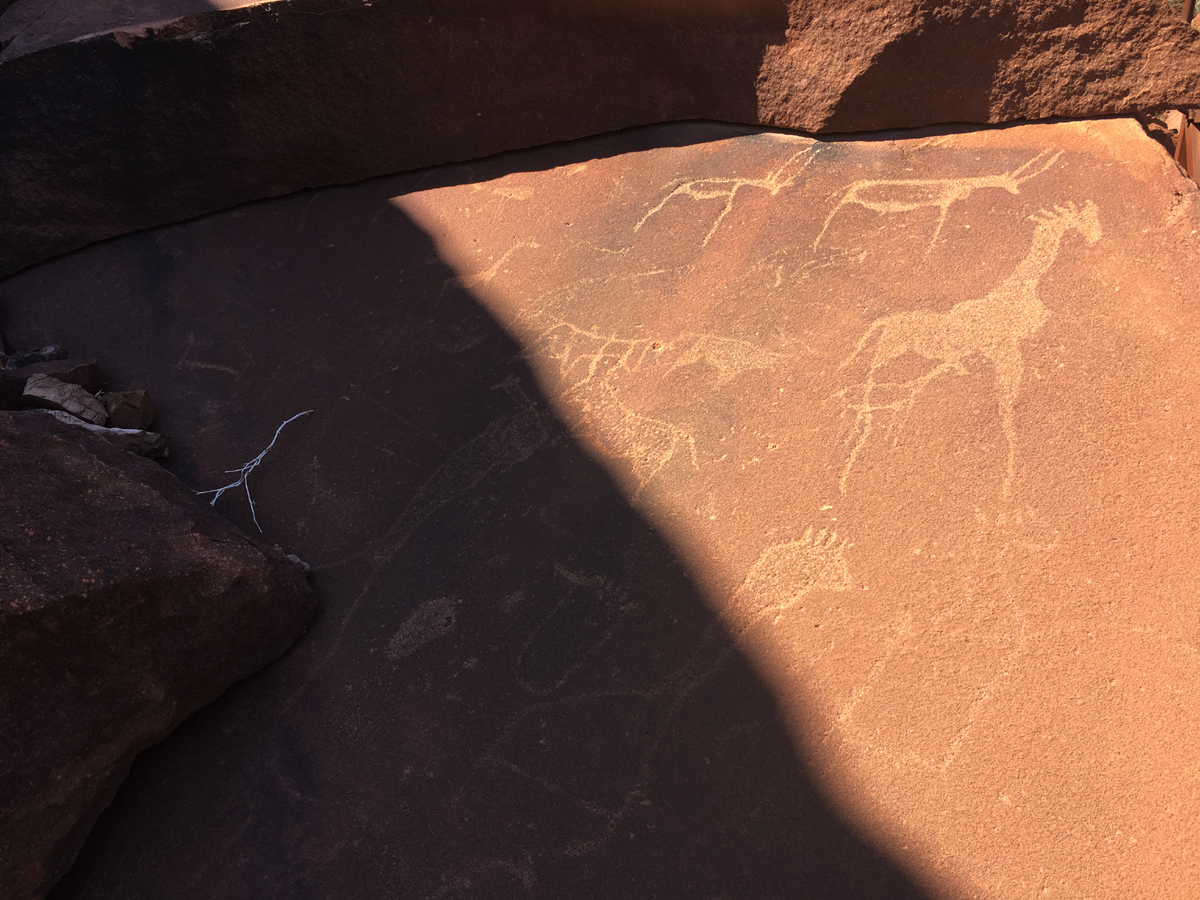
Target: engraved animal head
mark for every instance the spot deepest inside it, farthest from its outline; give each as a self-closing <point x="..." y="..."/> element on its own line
<point x="1068" y="216"/>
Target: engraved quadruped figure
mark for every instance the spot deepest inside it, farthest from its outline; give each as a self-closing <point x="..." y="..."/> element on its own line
<point x="726" y="188"/>
<point x="902" y="195"/>
<point x="591" y="366"/>
<point x="992" y="326"/>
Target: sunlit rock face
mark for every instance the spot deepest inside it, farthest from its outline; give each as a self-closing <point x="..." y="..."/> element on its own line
<point x="127" y="114"/>
<point x="696" y="513"/>
<point x="920" y="413"/>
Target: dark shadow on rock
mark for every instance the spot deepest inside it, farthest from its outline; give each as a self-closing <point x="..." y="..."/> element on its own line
<point x="909" y="70"/>
<point x="114" y="133"/>
<point x="515" y="688"/>
<point x="614" y="143"/>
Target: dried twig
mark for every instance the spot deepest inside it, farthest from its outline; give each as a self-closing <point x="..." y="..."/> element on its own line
<point x="244" y="472"/>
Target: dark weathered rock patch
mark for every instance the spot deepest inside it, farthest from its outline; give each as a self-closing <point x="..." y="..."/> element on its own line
<point x="129" y="409"/>
<point x="125" y="605"/>
<point x="159" y="110"/>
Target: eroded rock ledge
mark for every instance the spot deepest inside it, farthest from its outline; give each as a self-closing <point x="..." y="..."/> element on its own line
<point x="146" y="112"/>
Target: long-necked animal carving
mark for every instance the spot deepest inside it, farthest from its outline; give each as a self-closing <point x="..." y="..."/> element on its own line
<point x="992" y="326"/>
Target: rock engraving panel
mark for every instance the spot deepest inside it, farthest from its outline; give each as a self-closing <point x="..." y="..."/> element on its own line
<point x="903" y="195"/>
<point x="992" y="326"/>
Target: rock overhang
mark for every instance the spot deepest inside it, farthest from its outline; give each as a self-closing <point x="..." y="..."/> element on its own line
<point x="125" y="123"/>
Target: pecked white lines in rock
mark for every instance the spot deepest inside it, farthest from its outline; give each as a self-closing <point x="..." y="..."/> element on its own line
<point x="185" y="362"/>
<point x="505" y="442"/>
<point x="729" y="357"/>
<point x="904" y="195"/>
<point x="522" y="873"/>
<point x="904" y="639"/>
<point x="429" y="621"/>
<point x="588" y="367"/>
<point x="672" y="693"/>
<point x="726" y="188"/>
<point x="995" y="626"/>
<point x="470" y="282"/>
<point x="992" y="326"/>
<point x="573" y="648"/>
<point x="853" y="254"/>
<point x="786" y="572"/>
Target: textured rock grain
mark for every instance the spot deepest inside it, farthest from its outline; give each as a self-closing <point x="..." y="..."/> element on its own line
<point x="126" y="604"/>
<point x="697" y="514"/>
<point x="124" y="116"/>
<point x="129" y="409"/>
<point x="135" y="440"/>
<point x="47" y="392"/>
<point x="85" y="373"/>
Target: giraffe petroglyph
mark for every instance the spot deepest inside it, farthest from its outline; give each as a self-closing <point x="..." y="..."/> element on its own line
<point x="992" y="326"/>
<point x="906" y="195"/>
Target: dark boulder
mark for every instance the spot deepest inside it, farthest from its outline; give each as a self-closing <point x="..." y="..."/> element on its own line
<point x="129" y="409"/>
<point x="126" y="604"/>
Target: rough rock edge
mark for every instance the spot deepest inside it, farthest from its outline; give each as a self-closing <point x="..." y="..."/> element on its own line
<point x="144" y="443"/>
<point x="88" y="785"/>
<point x="393" y="98"/>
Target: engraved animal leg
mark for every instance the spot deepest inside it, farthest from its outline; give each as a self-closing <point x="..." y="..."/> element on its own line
<point x="1009" y="369"/>
<point x="888" y="346"/>
<point x="914" y="388"/>
<point x="864" y="421"/>
<point x="894" y="339"/>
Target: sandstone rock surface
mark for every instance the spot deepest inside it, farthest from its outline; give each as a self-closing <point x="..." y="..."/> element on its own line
<point x="125" y="605"/>
<point x="135" y="440"/>
<point x="47" y="392"/>
<point x="129" y="409"/>
<point x="85" y="373"/>
<point x="121" y="116"/>
<point x="697" y="514"/>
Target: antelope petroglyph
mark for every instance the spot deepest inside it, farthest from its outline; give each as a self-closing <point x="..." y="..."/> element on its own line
<point x="910" y="194"/>
<point x="593" y="370"/>
<point x="992" y="326"/>
<point x="725" y="188"/>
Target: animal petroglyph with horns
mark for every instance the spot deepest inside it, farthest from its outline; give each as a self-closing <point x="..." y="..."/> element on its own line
<point x="992" y="326"/>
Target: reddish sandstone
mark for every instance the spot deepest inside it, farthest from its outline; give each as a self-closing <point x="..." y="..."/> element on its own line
<point x="697" y="513"/>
